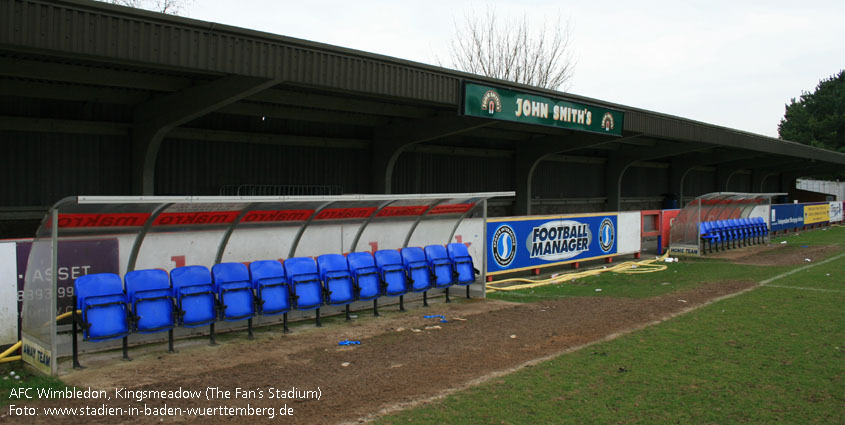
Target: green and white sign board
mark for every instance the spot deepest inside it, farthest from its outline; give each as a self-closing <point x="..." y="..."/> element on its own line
<point x="502" y="104"/>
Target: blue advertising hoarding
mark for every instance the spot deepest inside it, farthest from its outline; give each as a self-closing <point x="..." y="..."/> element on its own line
<point x="787" y="216"/>
<point x="521" y="243"/>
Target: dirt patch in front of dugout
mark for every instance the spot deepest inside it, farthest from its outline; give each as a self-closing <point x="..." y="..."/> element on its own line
<point x="394" y="365"/>
<point x="777" y="254"/>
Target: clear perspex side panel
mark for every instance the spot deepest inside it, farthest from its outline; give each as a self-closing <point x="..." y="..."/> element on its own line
<point x="716" y="207"/>
<point x="37" y="314"/>
<point x="120" y="234"/>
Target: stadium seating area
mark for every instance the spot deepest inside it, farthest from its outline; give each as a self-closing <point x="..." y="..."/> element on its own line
<point x="736" y="232"/>
<point x="149" y="301"/>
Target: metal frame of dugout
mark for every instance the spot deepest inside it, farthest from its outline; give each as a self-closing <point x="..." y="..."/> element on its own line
<point x="685" y="236"/>
<point x="151" y="231"/>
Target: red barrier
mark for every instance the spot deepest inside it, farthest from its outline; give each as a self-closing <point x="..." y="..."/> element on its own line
<point x="666" y="219"/>
<point x="650" y="223"/>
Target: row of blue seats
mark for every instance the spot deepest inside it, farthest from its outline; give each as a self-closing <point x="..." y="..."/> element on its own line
<point x="744" y="231"/>
<point x="191" y="296"/>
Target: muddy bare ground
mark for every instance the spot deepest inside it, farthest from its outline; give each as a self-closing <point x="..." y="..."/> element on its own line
<point x="401" y="358"/>
<point x="776" y="254"/>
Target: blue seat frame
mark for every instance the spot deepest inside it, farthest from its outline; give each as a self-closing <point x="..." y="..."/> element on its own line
<point x="272" y="291"/>
<point x="462" y="264"/>
<point x="368" y="283"/>
<point x="337" y="280"/>
<point x="234" y="292"/>
<point x="103" y="311"/>
<point x="393" y="274"/>
<point x="196" y="301"/>
<point x="419" y="274"/>
<point x="151" y="302"/>
<point x="307" y="288"/>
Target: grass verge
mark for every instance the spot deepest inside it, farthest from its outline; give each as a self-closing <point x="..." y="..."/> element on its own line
<point x="774" y="354"/>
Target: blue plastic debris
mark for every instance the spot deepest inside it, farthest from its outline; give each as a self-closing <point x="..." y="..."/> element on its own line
<point x="348" y="342"/>
<point x="804" y="246"/>
<point x="435" y="316"/>
<point x="443" y="321"/>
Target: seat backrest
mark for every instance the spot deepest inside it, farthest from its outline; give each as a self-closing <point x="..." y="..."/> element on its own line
<point x="457" y="250"/>
<point x="300" y="266"/>
<point x="96" y="285"/>
<point x="331" y="263"/>
<point x="436" y="252"/>
<point x="230" y="272"/>
<point x="190" y="276"/>
<point x="360" y="260"/>
<point x="145" y="280"/>
<point x="266" y="269"/>
<point x="386" y="257"/>
<point x="412" y="255"/>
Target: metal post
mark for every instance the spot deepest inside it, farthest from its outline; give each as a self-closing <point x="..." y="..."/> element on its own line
<point x="318" y="319"/>
<point x="401" y="303"/>
<point x="75" y="349"/>
<point x="447" y="296"/>
<point x="212" y="342"/>
<point x="347" y="313"/>
<point x="484" y="251"/>
<point x="425" y="299"/>
<point x="54" y="264"/>
<point x="126" y="349"/>
<point x="468" y="290"/>
<point x="170" y="341"/>
<point x="285" y="323"/>
<point x="375" y="307"/>
<point x="249" y="328"/>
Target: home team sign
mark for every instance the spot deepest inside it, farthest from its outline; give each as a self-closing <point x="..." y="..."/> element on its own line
<point x="521" y="243"/>
<point x="502" y="104"/>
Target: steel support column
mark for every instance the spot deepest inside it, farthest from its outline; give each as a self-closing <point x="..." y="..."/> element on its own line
<point x="155" y="118"/>
<point x="391" y="140"/>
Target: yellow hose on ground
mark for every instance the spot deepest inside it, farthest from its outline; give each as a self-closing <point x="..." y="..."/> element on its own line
<point x="628" y="267"/>
<point x="11" y="349"/>
<point x="4" y="357"/>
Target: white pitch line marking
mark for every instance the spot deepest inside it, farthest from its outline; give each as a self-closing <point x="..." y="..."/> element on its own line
<point x="806" y="289"/>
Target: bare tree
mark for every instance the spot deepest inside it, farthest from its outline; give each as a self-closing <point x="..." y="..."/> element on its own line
<point x="514" y="50"/>
<point x="171" y="7"/>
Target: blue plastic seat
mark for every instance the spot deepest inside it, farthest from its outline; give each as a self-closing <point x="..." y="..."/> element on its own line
<point x="413" y="258"/>
<point x="234" y="291"/>
<point x="271" y="287"/>
<point x="103" y="305"/>
<point x="392" y="272"/>
<point x="151" y="300"/>
<point x="462" y="263"/>
<point x="272" y="292"/>
<point x="337" y="279"/>
<point x="706" y="234"/>
<point x="104" y="311"/>
<point x="440" y="265"/>
<point x="750" y="229"/>
<point x="763" y="226"/>
<point x="364" y="270"/>
<point x="724" y="231"/>
<point x="307" y="289"/>
<point x="196" y="302"/>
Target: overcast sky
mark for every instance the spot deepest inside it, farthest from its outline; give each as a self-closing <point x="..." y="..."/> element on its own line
<point x="731" y="63"/>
